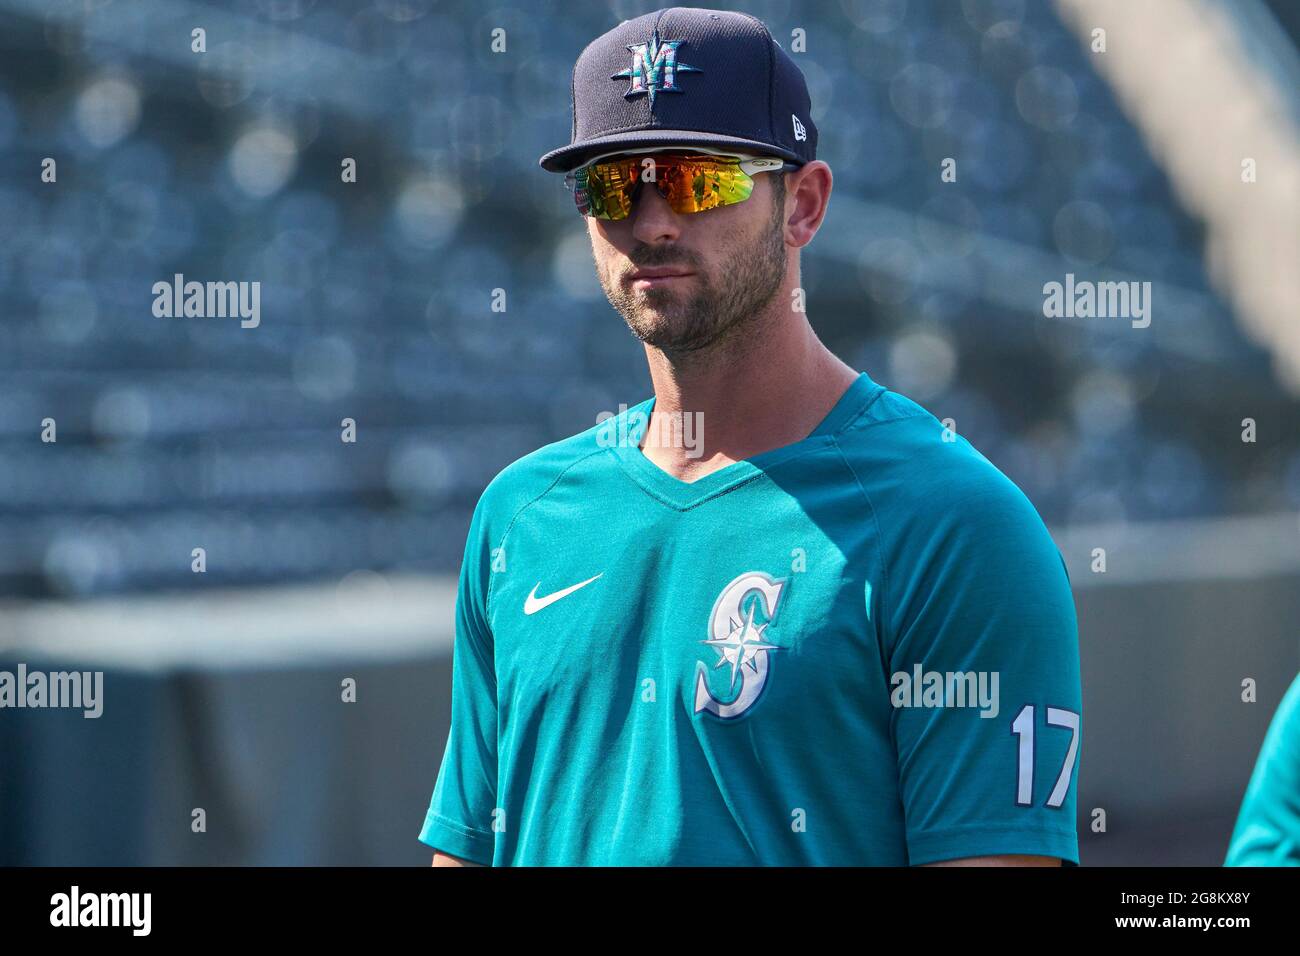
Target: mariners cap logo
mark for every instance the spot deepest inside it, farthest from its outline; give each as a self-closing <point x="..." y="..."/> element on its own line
<point x="654" y="67"/>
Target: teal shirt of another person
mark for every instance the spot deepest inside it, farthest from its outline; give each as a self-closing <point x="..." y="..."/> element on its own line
<point x="860" y="648"/>
<point x="1268" y="828"/>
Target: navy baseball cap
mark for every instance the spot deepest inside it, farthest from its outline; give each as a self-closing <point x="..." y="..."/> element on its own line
<point x="684" y="76"/>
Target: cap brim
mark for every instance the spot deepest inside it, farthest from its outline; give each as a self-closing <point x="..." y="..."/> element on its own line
<point x="570" y="157"/>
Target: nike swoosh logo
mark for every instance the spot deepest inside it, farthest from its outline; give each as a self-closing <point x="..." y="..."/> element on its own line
<point x="533" y="603"/>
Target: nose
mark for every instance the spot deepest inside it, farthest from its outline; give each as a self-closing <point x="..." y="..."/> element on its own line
<point x="653" y="220"/>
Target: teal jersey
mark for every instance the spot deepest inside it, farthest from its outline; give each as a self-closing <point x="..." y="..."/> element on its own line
<point x="1268" y="828"/>
<point x="860" y="648"/>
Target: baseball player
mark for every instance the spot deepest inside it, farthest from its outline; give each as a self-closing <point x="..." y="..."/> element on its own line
<point x="775" y="613"/>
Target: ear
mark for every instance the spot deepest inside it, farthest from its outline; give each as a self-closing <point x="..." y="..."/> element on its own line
<point x="807" y="196"/>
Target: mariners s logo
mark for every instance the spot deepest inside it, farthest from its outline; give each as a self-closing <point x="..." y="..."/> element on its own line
<point x="738" y="626"/>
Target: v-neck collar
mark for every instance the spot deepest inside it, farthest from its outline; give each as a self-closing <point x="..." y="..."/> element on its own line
<point x="627" y="429"/>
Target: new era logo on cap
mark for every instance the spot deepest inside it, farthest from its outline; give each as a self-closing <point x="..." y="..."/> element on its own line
<point x="799" y="132"/>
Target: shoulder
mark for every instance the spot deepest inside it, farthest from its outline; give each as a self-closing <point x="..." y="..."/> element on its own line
<point x="1267" y="832"/>
<point x="1282" y="742"/>
<point x="911" y="463"/>
<point x="966" y="560"/>
<point x="941" y="506"/>
<point x="532" y="477"/>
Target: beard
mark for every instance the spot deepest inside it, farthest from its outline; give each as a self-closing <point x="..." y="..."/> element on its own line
<point x="718" y="308"/>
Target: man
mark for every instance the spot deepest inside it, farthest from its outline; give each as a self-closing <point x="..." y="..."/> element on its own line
<point x="775" y="614"/>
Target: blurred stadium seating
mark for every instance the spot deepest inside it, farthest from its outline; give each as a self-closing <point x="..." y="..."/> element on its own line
<point x="376" y="295"/>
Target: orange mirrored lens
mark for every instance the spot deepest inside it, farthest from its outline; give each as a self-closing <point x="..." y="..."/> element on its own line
<point x="689" y="184"/>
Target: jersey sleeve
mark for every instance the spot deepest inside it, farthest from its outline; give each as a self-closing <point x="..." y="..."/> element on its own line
<point x="1268" y="827"/>
<point x="982" y="608"/>
<point x="459" y="821"/>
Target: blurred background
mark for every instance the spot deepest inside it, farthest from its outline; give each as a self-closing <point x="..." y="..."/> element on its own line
<point x="1168" y="156"/>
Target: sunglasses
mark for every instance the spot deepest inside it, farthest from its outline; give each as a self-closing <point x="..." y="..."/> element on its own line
<point x="693" y="181"/>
